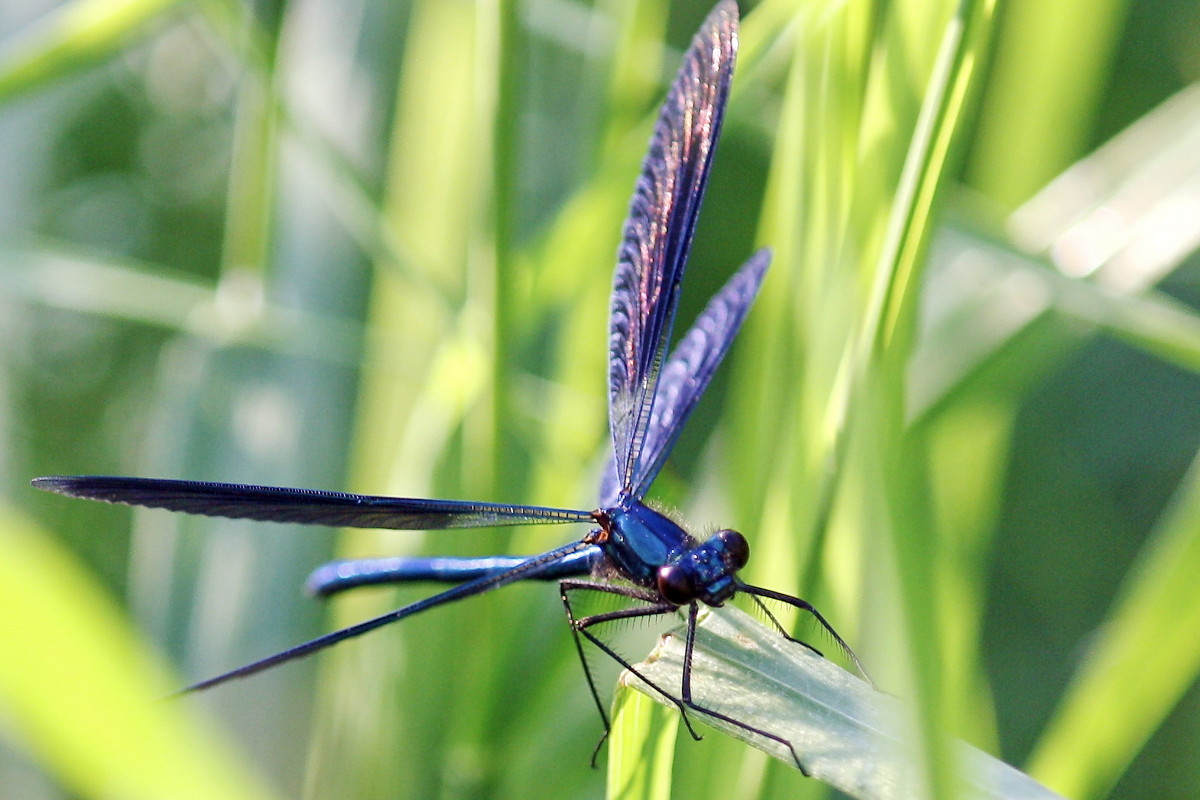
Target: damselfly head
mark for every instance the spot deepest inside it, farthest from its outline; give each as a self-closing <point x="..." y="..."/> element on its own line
<point x="705" y="572"/>
<point x="735" y="550"/>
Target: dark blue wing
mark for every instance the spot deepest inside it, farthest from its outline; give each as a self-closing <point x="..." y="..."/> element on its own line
<point x="272" y="504"/>
<point x="658" y="231"/>
<point x="687" y="373"/>
<point x="695" y="358"/>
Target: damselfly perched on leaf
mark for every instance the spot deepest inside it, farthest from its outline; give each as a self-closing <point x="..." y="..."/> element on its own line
<point x="631" y="550"/>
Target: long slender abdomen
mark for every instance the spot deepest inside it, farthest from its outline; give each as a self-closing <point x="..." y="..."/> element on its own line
<point x="338" y="576"/>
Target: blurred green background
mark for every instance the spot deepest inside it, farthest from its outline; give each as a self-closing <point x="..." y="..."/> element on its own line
<point x="368" y="245"/>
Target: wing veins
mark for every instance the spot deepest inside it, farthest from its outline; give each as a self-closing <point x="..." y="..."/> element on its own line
<point x="308" y="506"/>
<point x="658" y="232"/>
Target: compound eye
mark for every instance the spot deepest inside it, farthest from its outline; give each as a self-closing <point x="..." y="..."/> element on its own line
<point x="737" y="549"/>
<point x="675" y="584"/>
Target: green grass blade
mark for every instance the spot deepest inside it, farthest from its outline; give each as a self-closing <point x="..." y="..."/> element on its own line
<point x="1145" y="658"/>
<point x="72" y="37"/>
<point x="1037" y="115"/>
<point x="100" y="285"/>
<point x="641" y="748"/>
<point x="1089" y="265"/>
<point x="846" y="733"/>
<point x="84" y="693"/>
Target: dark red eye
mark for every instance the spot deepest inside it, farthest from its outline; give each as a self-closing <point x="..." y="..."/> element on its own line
<point x="675" y="584"/>
<point x="737" y="549"/>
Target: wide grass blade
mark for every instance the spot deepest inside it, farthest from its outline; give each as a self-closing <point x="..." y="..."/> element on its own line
<point x="86" y="695"/>
<point x="1143" y="661"/>
<point x="74" y="36"/>
<point x="641" y="748"/>
<point x="847" y="734"/>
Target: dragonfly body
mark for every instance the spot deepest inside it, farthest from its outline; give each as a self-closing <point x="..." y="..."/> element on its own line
<point x="632" y="550"/>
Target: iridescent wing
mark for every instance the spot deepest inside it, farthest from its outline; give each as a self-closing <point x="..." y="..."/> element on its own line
<point x="274" y="504"/>
<point x="695" y="358"/>
<point x="687" y="373"/>
<point x="658" y="232"/>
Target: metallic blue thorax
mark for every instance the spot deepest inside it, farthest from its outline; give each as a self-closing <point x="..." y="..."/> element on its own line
<point x="640" y="540"/>
<point x="651" y="550"/>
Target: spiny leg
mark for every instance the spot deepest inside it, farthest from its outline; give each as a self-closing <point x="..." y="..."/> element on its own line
<point x="782" y="630"/>
<point x="808" y="607"/>
<point x="688" y="648"/>
<point x="579" y="626"/>
<point x="629" y="667"/>
<point x="587" y="672"/>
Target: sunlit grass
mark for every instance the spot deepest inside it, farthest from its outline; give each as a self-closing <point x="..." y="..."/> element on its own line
<point x="83" y="693"/>
<point x="417" y="223"/>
